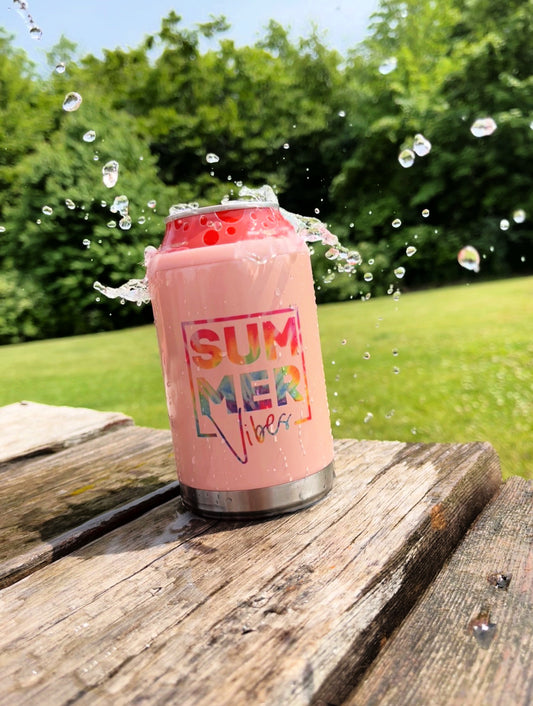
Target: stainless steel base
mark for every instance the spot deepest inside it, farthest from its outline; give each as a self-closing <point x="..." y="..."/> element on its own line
<point x="260" y="502"/>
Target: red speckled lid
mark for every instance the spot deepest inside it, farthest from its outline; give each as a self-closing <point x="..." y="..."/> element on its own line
<point x="225" y="223"/>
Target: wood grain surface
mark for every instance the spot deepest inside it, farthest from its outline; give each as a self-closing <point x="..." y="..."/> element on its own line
<point x="47" y="495"/>
<point x="171" y="608"/>
<point x="28" y="428"/>
<point x="470" y="639"/>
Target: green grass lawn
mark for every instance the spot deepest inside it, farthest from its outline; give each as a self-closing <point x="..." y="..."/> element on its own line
<point x="452" y="364"/>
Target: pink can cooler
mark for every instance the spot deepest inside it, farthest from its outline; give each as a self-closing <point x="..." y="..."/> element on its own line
<point x="236" y="319"/>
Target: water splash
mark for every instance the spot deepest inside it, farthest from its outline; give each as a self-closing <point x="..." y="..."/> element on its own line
<point x="310" y="229"/>
<point x="110" y="173"/>
<point x="483" y="127"/>
<point x="406" y="158"/>
<point x="134" y="290"/>
<point x="72" y="102"/>
<point x="468" y="257"/>
<point x="421" y="146"/>
<point x="120" y="205"/>
<point x="22" y="8"/>
<point x="388" y="66"/>
<point x="125" y="222"/>
<point x="504" y="224"/>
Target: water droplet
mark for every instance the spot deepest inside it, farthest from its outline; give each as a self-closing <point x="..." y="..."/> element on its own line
<point x="86" y="242"/>
<point x="519" y="216"/>
<point x="396" y="223"/>
<point x="125" y="223"/>
<point x="413" y="431"/>
<point x="47" y="210"/>
<point x="483" y="127"/>
<point x="406" y="158"/>
<point x="134" y="290"/>
<point x="387" y="66"/>
<point x="504" y="224"/>
<point x="389" y="414"/>
<point x="399" y="272"/>
<point x="425" y="212"/>
<point x="141" y="220"/>
<point x="421" y="146"/>
<point x="120" y="205"/>
<point x="212" y="158"/>
<point x="500" y="580"/>
<point x="482" y="628"/>
<point x="72" y="102"/>
<point x="468" y="257"/>
<point x="342" y="114"/>
<point x="36" y="32"/>
<point x="70" y="204"/>
<point x="337" y="422"/>
<point x="396" y="370"/>
<point x="60" y="68"/>
<point x="110" y="173"/>
<point x="152" y="203"/>
<point x="368" y="276"/>
<point x="332" y="254"/>
<point x="368" y="417"/>
<point x="2" y="229"/>
<point x="394" y="351"/>
<point x="90" y="136"/>
<point x="410" y="251"/>
<point x="397" y="294"/>
<point x="111" y="224"/>
<point x="366" y="355"/>
<point x="286" y="146"/>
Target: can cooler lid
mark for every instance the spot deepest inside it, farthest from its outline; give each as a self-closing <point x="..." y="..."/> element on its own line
<point x="228" y="206"/>
<point x="225" y="223"/>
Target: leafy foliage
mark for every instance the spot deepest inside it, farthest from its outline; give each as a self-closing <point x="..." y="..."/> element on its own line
<point x="323" y="129"/>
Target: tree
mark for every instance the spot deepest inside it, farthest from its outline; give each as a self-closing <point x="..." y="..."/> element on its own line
<point x="433" y="68"/>
<point x="59" y="215"/>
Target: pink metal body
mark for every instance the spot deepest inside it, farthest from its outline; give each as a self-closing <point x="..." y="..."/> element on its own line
<point x="234" y="307"/>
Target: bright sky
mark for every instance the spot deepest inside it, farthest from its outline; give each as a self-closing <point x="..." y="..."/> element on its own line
<point x="97" y="24"/>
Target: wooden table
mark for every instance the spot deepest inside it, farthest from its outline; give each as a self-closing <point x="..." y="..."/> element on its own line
<point x="411" y="583"/>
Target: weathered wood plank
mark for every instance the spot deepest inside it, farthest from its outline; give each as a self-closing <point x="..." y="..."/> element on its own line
<point x="288" y="610"/>
<point x="44" y="553"/>
<point x="470" y="639"/>
<point x="47" y="495"/>
<point x="28" y="428"/>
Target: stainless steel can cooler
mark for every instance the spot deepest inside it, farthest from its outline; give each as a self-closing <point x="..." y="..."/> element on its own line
<point x="236" y="319"/>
